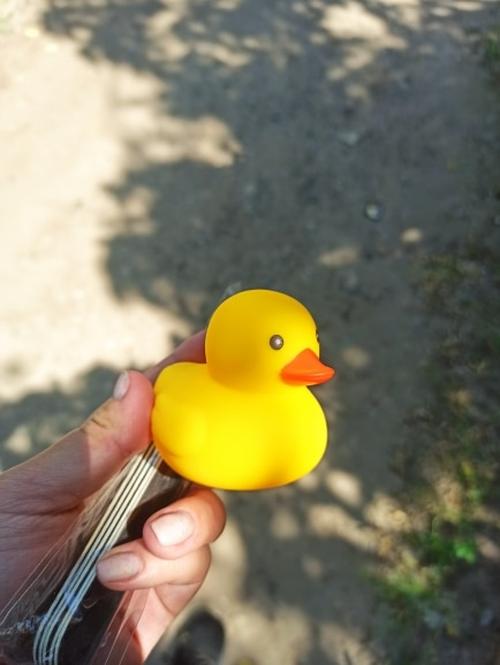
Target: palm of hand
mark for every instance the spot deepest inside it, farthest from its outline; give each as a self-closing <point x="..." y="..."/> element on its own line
<point x="42" y="499"/>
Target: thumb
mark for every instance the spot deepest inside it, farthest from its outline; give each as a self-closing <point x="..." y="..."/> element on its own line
<point x="75" y="467"/>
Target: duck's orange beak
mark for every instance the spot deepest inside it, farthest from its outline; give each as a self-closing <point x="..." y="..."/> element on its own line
<point x="307" y="369"/>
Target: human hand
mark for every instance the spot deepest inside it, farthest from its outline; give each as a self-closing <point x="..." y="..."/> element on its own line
<point x="41" y="500"/>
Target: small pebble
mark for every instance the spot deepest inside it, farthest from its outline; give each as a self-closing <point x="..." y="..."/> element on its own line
<point x="350" y="138"/>
<point x="231" y="289"/>
<point x="350" y="281"/>
<point x="374" y="212"/>
<point x="411" y="236"/>
<point x="487" y="617"/>
<point x="250" y="189"/>
<point x="403" y="80"/>
<point x="433" y="619"/>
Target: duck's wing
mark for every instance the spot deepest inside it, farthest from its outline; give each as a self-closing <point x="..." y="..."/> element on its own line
<point x="179" y="427"/>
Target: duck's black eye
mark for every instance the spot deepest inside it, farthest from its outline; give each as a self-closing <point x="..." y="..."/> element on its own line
<point x="276" y="342"/>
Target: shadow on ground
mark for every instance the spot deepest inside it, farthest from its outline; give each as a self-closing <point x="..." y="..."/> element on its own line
<point x="32" y="423"/>
<point x="268" y="130"/>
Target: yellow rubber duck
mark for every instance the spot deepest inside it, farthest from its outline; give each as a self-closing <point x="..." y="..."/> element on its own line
<point x="245" y="419"/>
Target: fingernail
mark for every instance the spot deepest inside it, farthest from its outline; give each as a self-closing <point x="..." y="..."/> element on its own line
<point x="118" y="567"/>
<point x="121" y="386"/>
<point x="173" y="528"/>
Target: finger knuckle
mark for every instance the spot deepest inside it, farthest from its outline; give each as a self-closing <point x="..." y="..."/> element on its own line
<point x="203" y="559"/>
<point x="98" y="424"/>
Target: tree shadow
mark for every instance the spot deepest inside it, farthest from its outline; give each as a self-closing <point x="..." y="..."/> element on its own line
<point x="267" y="133"/>
<point x="30" y="424"/>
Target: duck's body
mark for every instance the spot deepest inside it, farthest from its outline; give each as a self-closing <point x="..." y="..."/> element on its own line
<point x="245" y="419"/>
<point x="244" y="441"/>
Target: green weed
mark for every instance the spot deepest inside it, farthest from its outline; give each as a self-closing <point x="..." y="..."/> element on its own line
<point x="492" y="46"/>
<point x="454" y="452"/>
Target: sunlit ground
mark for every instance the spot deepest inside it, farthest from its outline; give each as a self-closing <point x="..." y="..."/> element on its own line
<point x="154" y="155"/>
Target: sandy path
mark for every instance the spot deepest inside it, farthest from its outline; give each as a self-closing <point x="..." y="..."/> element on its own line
<point x="153" y="154"/>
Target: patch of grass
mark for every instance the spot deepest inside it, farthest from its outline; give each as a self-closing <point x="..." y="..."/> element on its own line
<point x="492" y="46"/>
<point x="441" y="276"/>
<point x="453" y="458"/>
<point x="446" y="551"/>
<point x="415" y="588"/>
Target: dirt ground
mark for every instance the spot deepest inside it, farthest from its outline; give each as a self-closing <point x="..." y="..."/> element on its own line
<point x="155" y="153"/>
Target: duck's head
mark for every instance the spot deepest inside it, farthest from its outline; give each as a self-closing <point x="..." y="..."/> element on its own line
<point x="264" y="341"/>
